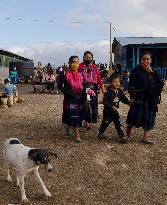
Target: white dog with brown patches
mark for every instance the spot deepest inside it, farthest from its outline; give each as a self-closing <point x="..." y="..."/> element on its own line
<point x="25" y="159"/>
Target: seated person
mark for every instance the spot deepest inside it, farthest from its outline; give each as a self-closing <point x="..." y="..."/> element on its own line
<point x="50" y="81"/>
<point x="37" y="77"/>
<point x="9" y="90"/>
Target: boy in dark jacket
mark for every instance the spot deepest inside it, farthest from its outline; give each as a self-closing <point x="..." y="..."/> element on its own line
<point x="111" y="104"/>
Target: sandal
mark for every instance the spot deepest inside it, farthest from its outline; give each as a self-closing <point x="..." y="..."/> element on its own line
<point x="88" y="128"/>
<point x="149" y="142"/>
<point x="124" y="140"/>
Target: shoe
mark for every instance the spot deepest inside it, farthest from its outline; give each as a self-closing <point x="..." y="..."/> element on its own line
<point x="101" y="136"/>
<point x="78" y="140"/>
<point x="123" y="140"/>
<point x="149" y="142"/>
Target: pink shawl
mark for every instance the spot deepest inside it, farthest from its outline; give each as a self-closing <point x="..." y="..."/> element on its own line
<point x="75" y="80"/>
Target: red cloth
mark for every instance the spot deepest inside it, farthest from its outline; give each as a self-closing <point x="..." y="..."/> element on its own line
<point x="82" y="69"/>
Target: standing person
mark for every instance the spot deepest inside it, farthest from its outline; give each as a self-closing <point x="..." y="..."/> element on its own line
<point x="39" y="65"/>
<point x="14" y="77"/>
<point x="70" y="83"/>
<point x="125" y="80"/>
<point x="49" y="68"/>
<point x="145" y="87"/>
<point x="111" y="104"/>
<point x="92" y="80"/>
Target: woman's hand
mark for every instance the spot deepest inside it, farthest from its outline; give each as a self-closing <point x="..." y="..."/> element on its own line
<point x="147" y="68"/>
<point x="103" y="89"/>
<point x="131" y="102"/>
<point x="115" y="109"/>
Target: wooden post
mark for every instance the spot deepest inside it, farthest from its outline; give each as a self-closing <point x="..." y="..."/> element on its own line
<point x="110" y="68"/>
<point x="110" y="64"/>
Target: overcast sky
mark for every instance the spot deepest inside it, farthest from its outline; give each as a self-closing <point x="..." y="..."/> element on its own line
<point x="56" y="41"/>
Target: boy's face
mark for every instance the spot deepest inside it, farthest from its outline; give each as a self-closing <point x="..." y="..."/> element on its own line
<point x="115" y="83"/>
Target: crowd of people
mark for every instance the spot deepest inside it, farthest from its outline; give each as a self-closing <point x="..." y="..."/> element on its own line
<point x="46" y="77"/>
<point x="79" y="82"/>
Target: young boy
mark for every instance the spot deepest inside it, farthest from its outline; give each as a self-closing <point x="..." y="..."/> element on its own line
<point x="111" y="104"/>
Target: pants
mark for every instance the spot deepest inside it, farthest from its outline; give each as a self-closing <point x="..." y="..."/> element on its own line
<point x="107" y="119"/>
<point x="13" y="80"/>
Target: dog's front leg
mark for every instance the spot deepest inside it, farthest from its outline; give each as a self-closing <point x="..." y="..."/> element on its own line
<point x="17" y="181"/>
<point x="9" y="179"/>
<point x="22" y="189"/>
<point x="47" y="193"/>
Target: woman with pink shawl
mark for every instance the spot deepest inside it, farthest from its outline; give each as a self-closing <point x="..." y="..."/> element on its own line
<point x="70" y="83"/>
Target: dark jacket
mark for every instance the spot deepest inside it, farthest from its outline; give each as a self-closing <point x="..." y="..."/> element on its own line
<point x="112" y="98"/>
<point x="150" y="84"/>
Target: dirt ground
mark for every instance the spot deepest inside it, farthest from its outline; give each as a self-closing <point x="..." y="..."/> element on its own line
<point x="93" y="172"/>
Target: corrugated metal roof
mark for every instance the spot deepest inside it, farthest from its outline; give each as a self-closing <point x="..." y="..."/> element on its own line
<point x="7" y="53"/>
<point x="124" y="41"/>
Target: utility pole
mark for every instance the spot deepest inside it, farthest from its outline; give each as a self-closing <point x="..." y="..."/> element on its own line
<point x="110" y="67"/>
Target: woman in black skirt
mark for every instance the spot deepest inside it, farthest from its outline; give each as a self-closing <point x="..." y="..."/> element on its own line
<point x="92" y="80"/>
<point x="145" y="87"/>
<point x="70" y="83"/>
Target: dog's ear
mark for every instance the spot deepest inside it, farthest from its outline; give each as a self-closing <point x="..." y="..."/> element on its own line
<point x="32" y="154"/>
<point x="53" y="154"/>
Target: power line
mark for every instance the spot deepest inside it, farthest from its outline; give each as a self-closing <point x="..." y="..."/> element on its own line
<point x="22" y="19"/>
<point x="54" y="42"/>
<point x="51" y="20"/>
<point x="54" y="21"/>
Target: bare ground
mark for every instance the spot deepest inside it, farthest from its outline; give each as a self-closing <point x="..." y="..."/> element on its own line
<point x="93" y="172"/>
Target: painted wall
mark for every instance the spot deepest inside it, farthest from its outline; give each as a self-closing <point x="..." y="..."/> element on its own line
<point x="120" y="56"/>
<point x="129" y="56"/>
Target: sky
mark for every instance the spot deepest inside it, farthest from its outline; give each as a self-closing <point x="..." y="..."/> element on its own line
<point x="56" y="35"/>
